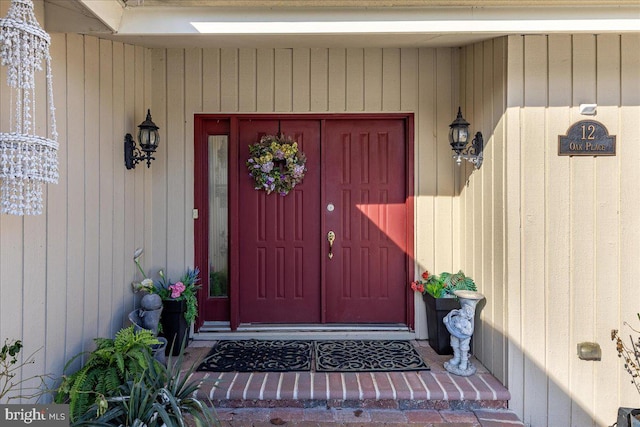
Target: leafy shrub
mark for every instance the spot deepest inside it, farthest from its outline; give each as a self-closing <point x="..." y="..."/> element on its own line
<point x="114" y="362"/>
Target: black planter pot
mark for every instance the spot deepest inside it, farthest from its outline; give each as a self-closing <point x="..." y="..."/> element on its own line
<point x="437" y="309"/>
<point x="174" y="325"/>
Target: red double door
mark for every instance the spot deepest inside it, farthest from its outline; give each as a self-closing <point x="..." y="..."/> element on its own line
<point x="355" y="187"/>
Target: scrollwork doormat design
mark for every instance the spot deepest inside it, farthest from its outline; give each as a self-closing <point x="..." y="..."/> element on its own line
<point x="327" y="356"/>
<point x="259" y="356"/>
<point x="367" y="356"/>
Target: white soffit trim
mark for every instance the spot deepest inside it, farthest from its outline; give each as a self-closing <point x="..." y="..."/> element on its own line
<point x="170" y="20"/>
<point x="110" y="12"/>
<point x="453" y="26"/>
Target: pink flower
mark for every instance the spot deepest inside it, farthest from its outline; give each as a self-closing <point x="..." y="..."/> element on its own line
<point x="177" y="289"/>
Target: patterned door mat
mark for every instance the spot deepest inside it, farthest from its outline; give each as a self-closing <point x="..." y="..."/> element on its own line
<point x="367" y="356"/>
<point x="329" y="356"/>
<point x="259" y="356"/>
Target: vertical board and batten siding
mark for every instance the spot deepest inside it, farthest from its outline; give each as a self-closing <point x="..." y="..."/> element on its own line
<point x="65" y="275"/>
<point x="481" y="204"/>
<point x="562" y="259"/>
<point x="301" y="80"/>
<point x="629" y="200"/>
<point x="558" y="229"/>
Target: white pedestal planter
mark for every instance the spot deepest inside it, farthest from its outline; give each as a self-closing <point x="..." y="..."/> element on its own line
<point x="460" y="323"/>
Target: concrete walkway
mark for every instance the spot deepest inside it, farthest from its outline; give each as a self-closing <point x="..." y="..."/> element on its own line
<point x="318" y="417"/>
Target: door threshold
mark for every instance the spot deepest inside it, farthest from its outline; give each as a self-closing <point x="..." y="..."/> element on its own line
<point x="221" y="330"/>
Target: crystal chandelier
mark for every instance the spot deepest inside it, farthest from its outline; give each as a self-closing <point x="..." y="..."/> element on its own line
<point x="27" y="161"/>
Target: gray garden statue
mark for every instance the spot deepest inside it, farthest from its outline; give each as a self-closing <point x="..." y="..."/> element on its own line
<point x="460" y="323"/>
<point x="148" y="317"/>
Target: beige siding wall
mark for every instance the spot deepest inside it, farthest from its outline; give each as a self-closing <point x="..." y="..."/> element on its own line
<point x="188" y="81"/>
<point x="554" y="239"/>
<point x="482" y="195"/>
<point x="65" y="275"/>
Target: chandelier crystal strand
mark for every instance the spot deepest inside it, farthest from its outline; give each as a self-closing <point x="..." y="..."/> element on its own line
<point x="27" y="161"/>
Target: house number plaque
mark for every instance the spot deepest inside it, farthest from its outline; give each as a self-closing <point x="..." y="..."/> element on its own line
<point x="587" y="138"/>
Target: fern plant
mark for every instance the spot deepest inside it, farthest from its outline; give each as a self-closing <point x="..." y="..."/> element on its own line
<point x="163" y="396"/>
<point x="457" y="282"/>
<point x="111" y="364"/>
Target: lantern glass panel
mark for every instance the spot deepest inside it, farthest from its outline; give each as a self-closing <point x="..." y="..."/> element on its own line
<point x="458" y="136"/>
<point x="148" y="138"/>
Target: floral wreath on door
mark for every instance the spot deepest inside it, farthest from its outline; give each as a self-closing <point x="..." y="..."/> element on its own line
<point x="276" y="164"/>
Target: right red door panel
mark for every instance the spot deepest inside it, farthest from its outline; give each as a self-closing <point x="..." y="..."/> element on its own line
<point x="364" y="166"/>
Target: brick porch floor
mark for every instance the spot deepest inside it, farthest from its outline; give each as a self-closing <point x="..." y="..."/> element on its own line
<point x="424" y="398"/>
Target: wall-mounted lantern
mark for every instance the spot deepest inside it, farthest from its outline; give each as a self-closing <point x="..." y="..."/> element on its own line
<point x="459" y="140"/>
<point x="148" y="139"/>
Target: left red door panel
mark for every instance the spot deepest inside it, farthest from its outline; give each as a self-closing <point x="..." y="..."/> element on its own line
<point x="279" y="236"/>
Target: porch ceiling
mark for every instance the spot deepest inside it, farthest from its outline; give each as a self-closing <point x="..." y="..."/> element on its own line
<point x="332" y="23"/>
<point x="371" y="3"/>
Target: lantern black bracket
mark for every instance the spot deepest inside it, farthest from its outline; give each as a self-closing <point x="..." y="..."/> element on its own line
<point x="472" y="152"/>
<point x="133" y="155"/>
<point x="458" y="138"/>
<point x="147" y="138"/>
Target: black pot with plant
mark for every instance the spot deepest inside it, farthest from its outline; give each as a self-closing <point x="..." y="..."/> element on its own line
<point x="437" y="292"/>
<point x="180" y="307"/>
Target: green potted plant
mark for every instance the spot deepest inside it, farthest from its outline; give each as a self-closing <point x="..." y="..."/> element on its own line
<point x="180" y="307"/>
<point x="179" y="303"/>
<point x="437" y="292"/>
<point x="630" y="353"/>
